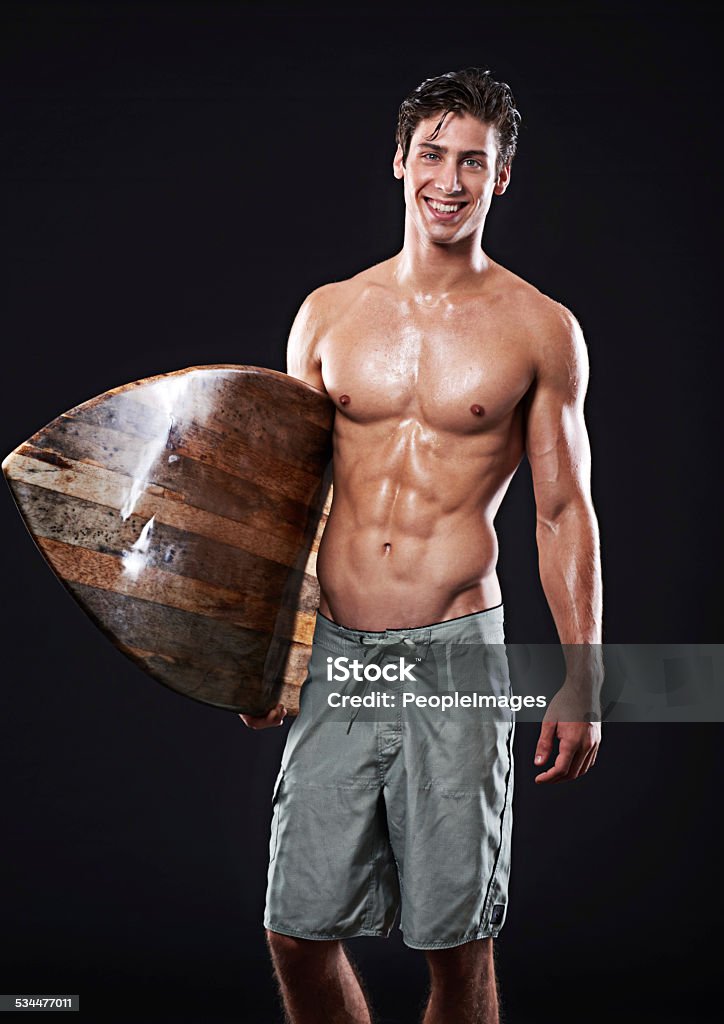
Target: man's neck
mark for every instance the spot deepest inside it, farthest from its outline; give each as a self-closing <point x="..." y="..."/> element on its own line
<point x="430" y="269"/>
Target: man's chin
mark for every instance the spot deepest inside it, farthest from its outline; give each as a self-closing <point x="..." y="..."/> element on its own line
<point x="440" y="234"/>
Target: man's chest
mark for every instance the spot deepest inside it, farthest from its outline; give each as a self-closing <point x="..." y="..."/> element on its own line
<point x="453" y="369"/>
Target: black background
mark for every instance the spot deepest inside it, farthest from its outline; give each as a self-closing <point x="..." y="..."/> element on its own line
<point x="177" y="177"/>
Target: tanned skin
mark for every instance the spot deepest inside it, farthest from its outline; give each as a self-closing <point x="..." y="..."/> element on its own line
<point x="446" y="369"/>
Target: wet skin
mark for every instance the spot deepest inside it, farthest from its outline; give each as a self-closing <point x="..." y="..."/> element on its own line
<point x="446" y="369"/>
<point x="428" y="433"/>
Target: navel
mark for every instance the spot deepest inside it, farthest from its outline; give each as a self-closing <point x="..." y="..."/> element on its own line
<point x="386" y="548"/>
<point x="477" y="410"/>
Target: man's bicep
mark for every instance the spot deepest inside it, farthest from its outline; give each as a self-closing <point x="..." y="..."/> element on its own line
<point x="557" y="442"/>
<point x="303" y="361"/>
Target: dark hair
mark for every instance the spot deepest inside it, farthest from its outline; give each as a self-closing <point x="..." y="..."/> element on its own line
<point x="471" y="91"/>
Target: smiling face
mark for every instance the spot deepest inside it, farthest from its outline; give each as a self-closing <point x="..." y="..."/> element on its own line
<point x="450" y="181"/>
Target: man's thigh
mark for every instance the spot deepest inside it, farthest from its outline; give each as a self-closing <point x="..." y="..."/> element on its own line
<point x="331" y="869"/>
<point x="449" y="804"/>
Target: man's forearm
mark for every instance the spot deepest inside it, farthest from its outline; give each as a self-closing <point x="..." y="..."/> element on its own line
<point x="570" y="571"/>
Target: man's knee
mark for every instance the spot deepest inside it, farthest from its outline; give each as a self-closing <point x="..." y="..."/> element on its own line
<point x="290" y="951"/>
<point x="463" y="962"/>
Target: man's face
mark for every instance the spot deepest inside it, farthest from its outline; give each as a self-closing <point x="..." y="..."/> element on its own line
<point x="450" y="182"/>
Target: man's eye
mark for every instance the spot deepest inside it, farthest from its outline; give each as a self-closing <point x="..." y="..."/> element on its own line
<point x="470" y="160"/>
<point x="433" y="155"/>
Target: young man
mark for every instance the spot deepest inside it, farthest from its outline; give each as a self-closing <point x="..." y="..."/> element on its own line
<point x="445" y="369"/>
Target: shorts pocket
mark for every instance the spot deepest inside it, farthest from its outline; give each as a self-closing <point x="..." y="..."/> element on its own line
<point x="276" y="794"/>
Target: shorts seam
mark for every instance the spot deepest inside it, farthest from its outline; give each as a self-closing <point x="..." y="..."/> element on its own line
<point x="504" y="814"/>
<point x="481" y="933"/>
<point x="283" y="930"/>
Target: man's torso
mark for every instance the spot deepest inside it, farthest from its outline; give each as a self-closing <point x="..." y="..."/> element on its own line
<point x="429" y="431"/>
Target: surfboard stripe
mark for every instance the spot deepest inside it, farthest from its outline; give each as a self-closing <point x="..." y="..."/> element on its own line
<point x="204" y="486"/>
<point x="176" y="633"/>
<point x="102" y="487"/>
<point x="105" y="572"/>
<point x="56" y="518"/>
<point x="232" y="455"/>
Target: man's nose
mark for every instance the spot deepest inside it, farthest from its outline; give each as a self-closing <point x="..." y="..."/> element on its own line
<point x="448" y="181"/>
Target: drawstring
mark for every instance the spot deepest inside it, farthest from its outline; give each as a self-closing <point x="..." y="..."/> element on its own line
<point x="388" y="645"/>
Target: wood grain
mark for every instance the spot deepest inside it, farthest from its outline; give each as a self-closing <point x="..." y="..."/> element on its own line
<point x="184" y="513"/>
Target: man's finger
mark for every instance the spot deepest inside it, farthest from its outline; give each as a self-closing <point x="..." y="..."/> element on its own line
<point x="545" y="742"/>
<point x="580" y="764"/>
<point x="561" y="766"/>
<point x="574" y="770"/>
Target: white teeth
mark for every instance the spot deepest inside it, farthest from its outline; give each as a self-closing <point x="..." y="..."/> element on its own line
<point x="444" y="208"/>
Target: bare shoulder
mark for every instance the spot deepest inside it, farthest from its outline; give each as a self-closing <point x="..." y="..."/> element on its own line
<point x="316" y="315"/>
<point x="322" y="305"/>
<point x="303" y="360"/>
<point x="316" y="307"/>
<point x="554" y="335"/>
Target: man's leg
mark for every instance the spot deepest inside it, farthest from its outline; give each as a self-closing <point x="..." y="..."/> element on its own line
<point x="463" y="984"/>
<point x="317" y="981"/>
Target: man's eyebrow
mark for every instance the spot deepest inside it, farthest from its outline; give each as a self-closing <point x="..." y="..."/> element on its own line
<point x="443" y="149"/>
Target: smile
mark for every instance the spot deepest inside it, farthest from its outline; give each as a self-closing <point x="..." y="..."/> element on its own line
<point x="445" y="210"/>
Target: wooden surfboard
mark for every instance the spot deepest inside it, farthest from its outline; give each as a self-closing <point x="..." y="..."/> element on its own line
<point x="184" y="513"/>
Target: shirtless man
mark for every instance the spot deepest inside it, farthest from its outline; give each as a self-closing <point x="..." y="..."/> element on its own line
<point x="445" y="369"/>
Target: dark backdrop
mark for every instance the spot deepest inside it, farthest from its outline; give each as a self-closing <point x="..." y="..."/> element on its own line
<point x="177" y="177"/>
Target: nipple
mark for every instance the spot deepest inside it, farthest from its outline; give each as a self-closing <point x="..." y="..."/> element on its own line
<point x="344" y="399"/>
<point x="476" y="410"/>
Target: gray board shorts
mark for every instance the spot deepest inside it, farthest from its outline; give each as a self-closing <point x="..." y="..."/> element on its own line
<point x="380" y="810"/>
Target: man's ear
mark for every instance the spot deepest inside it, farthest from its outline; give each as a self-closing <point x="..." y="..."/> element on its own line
<point x="398" y="168"/>
<point x="503" y="180"/>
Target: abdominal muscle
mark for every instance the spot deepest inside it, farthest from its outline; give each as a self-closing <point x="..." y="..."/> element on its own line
<point x="410" y="539"/>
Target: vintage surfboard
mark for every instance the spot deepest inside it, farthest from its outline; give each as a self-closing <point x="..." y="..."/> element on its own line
<point x="184" y="512"/>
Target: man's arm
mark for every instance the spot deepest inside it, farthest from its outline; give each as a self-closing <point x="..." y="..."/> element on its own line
<point x="303" y="359"/>
<point x="568" y="540"/>
<point x="304" y="363"/>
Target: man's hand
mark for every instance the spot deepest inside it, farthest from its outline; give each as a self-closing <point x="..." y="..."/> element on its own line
<point x="578" y="742"/>
<point x="275" y="716"/>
